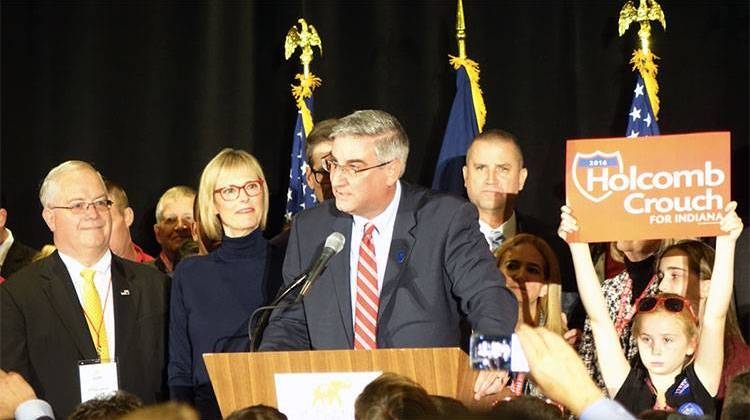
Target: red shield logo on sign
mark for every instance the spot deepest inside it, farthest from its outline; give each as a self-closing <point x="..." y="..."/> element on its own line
<point x="591" y="171"/>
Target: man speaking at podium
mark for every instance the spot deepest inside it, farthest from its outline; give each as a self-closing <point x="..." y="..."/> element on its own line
<point x="413" y="266"/>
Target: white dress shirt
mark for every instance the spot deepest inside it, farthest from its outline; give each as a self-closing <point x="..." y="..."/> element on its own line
<point x="33" y="410"/>
<point x="508" y="229"/>
<point x="381" y="238"/>
<point x="5" y="247"/>
<point x="102" y="281"/>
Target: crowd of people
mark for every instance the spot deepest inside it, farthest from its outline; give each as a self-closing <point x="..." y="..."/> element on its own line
<point x="653" y="335"/>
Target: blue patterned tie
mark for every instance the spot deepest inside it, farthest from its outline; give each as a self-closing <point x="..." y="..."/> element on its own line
<point x="496" y="239"/>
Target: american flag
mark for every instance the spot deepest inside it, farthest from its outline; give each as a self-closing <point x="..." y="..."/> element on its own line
<point x="641" y="119"/>
<point x="299" y="196"/>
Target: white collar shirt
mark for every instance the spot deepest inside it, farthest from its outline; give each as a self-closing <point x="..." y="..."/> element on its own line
<point x="103" y="283"/>
<point x="508" y="229"/>
<point x="5" y="247"/>
<point x="381" y="237"/>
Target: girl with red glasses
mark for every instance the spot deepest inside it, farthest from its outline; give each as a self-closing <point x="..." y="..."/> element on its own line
<point x="679" y="365"/>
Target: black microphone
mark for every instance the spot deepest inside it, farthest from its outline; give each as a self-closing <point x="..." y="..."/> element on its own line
<point x="334" y="244"/>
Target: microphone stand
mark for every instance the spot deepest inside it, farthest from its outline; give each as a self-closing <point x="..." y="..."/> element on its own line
<point x="254" y="333"/>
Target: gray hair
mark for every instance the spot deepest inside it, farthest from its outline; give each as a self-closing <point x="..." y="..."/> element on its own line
<point x="50" y="187"/>
<point x="172" y="194"/>
<point x="392" y="141"/>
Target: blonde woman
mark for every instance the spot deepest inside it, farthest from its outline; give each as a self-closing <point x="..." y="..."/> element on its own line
<point x="213" y="295"/>
<point x="533" y="275"/>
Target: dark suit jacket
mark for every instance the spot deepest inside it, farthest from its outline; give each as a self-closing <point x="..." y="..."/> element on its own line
<point x="43" y="333"/>
<point x="439" y="270"/>
<point x="19" y="256"/>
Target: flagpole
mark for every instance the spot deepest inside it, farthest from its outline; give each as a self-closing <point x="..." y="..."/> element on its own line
<point x="299" y="195"/>
<point x="461" y="30"/>
<point x="466" y="119"/>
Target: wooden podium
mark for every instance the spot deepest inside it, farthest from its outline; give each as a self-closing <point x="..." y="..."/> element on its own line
<point x="244" y="379"/>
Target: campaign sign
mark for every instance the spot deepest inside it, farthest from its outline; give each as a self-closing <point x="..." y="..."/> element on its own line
<point x="656" y="187"/>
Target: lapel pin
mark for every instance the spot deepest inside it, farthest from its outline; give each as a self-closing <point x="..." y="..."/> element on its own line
<point x="125" y="292"/>
<point x="401" y="256"/>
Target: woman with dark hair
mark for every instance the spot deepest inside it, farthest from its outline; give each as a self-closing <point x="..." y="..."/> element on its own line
<point x="685" y="269"/>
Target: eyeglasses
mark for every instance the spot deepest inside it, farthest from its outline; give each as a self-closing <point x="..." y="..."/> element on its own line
<point x="671" y="303"/>
<point x="331" y="166"/>
<point x="232" y="192"/>
<point x="82" y="207"/>
<point x="321" y="176"/>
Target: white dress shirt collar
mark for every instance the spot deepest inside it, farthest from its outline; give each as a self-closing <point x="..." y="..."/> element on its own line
<point x="74" y="267"/>
<point x="387" y="217"/>
<point x="5" y="246"/>
<point x="508" y="229"/>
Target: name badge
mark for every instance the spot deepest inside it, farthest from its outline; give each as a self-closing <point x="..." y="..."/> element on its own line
<point x="97" y="378"/>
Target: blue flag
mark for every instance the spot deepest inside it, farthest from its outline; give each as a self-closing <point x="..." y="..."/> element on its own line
<point x="641" y="119"/>
<point x="299" y="196"/>
<point x="461" y="130"/>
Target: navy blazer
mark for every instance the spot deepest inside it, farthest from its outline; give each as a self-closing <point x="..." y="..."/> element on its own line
<point x="439" y="272"/>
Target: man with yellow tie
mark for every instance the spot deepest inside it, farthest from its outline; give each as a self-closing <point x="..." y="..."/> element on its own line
<point x="83" y="320"/>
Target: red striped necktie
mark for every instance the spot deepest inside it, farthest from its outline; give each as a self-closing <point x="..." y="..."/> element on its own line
<point x="368" y="295"/>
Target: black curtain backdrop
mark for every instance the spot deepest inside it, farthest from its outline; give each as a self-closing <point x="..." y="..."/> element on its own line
<point x="150" y="91"/>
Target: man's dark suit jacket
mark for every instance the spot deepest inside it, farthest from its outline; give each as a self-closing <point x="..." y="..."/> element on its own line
<point x="19" y="256"/>
<point x="439" y="270"/>
<point x="43" y="333"/>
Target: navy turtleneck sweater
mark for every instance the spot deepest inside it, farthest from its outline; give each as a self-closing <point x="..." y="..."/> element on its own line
<point x="212" y="298"/>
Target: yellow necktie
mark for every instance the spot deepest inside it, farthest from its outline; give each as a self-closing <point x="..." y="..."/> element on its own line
<point x="92" y="306"/>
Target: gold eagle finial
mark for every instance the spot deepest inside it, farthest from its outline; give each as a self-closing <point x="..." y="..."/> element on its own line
<point x="647" y="11"/>
<point x="305" y="38"/>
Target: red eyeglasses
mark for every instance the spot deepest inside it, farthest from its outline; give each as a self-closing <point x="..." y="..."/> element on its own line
<point x="670" y="303"/>
<point x="232" y="192"/>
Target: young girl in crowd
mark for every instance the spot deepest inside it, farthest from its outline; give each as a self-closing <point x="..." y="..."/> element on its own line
<point x="679" y="368"/>
<point x="620" y="293"/>
<point x="532" y="273"/>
